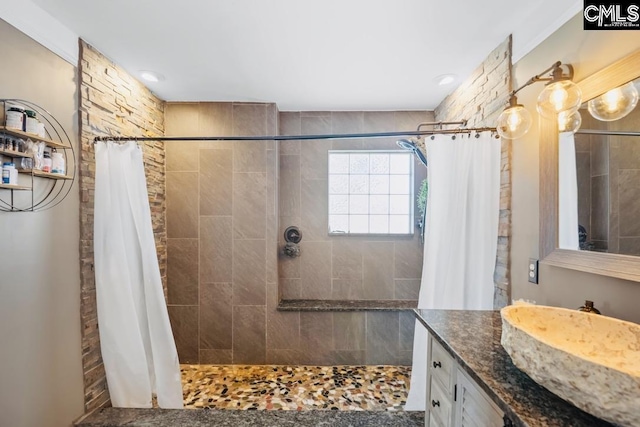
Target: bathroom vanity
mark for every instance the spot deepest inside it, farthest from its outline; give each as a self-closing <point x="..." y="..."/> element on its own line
<point x="471" y="380"/>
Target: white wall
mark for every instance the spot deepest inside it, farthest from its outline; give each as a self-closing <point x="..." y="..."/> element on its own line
<point x="40" y="349"/>
<point x="588" y="52"/>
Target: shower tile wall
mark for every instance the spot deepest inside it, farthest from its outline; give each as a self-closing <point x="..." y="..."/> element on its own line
<point x="609" y="185"/>
<point x="341" y="267"/>
<point x="222" y="214"/>
<point x="221" y="202"/>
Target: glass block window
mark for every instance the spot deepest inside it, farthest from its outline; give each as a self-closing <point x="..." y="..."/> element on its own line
<point x="370" y="192"/>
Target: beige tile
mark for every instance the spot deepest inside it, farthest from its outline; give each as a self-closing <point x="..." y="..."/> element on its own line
<point x="347" y="258"/>
<point x="181" y="156"/>
<point x="409" y="120"/>
<point x="181" y="119"/>
<point x="347" y="122"/>
<point x="408" y="260"/>
<point x="379" y="121"/>
<point x="272" y="119"/>
<point x="599" y="156"/>
<point x="284" y="357"/>
<point x="315" y="270"/>
<point x="349" y="330"/>
<point x="600" y="207"/>
<point x="216" y="182"/>
<point x="272" y="183"/>
<point x="216" y="249"/>
<point x="290" y="288"/>
<point x="289" y="123"/>
<point x="630" y="246"/>
<point x="288" y="268"/>
<point x="249" y="272"/>
<point x="249" y="205"/>
<point x="383" y="339"/>
<point x="290" y="186"/>
<point x="182" y="271"/>
<point x="314" y="161"/>
<point x="216" y="357"/>
<point x="216" y="316"/>
<point x="215" y="118"/>
<point x="182" y="204"/>
<point x="249" y="119"/>
<point x="283" y="328"/>
<point x="348" y="357"/>
<point x="249" y="335"/>
<point x="249" y="156"/>
<point x="378" y="268"/>
<point x="407" y="289"/>
<point x="628" y="152"/>
<point x="407" y="322"/>
<point x="315" y="124"/>
<point x="347" y="144"/>
<point x="184" y="325"/>
<point x="629" y="202"/>
<point x="350" y="289"/>
<point x="314" y="207"/>
<point x="272" y="250"/>
<point x="316" y="336"/>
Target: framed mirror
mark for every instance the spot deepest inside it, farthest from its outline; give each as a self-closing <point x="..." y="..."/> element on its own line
<point x="599" y="260"/>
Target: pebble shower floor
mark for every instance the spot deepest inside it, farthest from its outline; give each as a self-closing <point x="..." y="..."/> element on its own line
<point x="275" y="387"/>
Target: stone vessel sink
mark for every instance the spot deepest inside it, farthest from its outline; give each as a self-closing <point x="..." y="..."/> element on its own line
<point x="589" y="360"/>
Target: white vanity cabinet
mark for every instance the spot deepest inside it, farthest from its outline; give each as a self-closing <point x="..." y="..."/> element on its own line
<point x="453" y="398"/>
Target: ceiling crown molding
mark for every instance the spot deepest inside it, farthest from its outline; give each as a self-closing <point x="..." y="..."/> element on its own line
<point x="42" y="27"/>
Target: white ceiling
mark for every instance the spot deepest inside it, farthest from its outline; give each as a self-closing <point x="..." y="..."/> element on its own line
<point x="304" y="55"/>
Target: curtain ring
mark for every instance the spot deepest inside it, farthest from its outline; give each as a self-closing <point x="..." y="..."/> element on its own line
<point x="477" y="135"/>
<point x="453" y="137"/>
<point x="433" y="137"/>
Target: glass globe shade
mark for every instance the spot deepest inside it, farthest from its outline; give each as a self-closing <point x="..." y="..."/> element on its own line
<point x="569" y="122"/>
<point x="514" y="122"/>
<point x="614" y="104"/>
<point x="563" y="95"/>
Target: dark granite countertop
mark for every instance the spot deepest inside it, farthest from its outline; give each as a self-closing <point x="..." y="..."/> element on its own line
<point x="119" y="417"/>
<point x="345" y="305"/>
<point x="473" y="339"/>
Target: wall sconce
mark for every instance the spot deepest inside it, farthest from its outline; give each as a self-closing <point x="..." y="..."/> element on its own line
<point x="614" y="104"/>
<point x="569" y="122"/>
<point x="560" y="95"/>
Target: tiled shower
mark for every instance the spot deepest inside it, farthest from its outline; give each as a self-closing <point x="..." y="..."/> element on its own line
<point x="228" y="204"/>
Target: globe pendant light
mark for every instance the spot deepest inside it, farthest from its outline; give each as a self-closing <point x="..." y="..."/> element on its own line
<point x="614" y="104"/>
<point x="569" y="122"/>
<point x="515" y="121"/>
<point x="563" y="95"/>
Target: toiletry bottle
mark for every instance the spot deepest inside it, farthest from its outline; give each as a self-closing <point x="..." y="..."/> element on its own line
<point x="9" y="174"/>
<point x="46" y="162"/>
<point x="589" y="308"/>
<point x="57" y="163"/>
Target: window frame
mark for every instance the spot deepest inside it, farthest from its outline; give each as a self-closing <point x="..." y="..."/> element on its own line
<point x="412" y="202"/>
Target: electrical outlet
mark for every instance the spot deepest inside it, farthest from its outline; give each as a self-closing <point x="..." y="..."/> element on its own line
<point x="533" y="270"/>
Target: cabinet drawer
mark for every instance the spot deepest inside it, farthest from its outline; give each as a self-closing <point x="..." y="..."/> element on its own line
<point x="441" y="365"/>
<point x="439" y="403"/>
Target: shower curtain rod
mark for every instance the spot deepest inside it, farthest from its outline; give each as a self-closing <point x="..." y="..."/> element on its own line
<point x="294" y="137"/>
<point x="608" y="132"/>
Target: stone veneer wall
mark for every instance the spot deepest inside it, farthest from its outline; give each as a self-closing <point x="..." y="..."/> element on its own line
<point x="112" y="103"/>
<point x="480" y="99"/>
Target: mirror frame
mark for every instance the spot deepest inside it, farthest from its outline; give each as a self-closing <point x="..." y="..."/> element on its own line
<point x="612" y="265"/>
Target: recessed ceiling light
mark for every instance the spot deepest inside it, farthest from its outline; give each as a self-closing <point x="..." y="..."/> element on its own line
<point x="151" y="76"/>
<point x="445" y="79"/>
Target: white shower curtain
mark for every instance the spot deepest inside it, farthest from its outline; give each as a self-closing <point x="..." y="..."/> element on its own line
<point x="461" y="236"/>
<point x="138" y="349"/>
<point x="568" y="236"/>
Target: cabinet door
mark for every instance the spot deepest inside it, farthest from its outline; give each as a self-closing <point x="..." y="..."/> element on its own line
<point x="473" y="407"/>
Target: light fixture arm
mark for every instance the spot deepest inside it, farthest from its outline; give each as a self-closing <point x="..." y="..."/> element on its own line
<point x="557" y="74"/>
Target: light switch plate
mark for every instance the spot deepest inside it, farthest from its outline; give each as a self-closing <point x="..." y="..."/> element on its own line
<point x="533" y="270"/>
